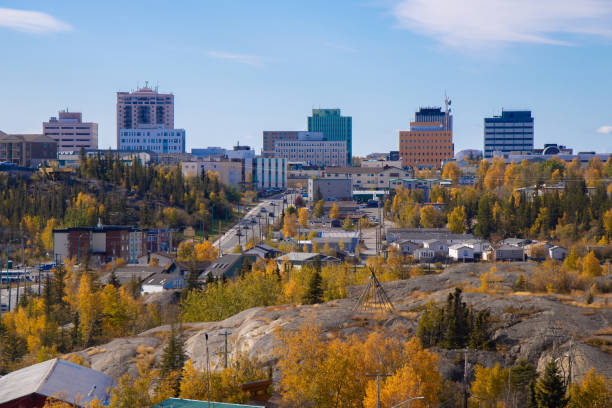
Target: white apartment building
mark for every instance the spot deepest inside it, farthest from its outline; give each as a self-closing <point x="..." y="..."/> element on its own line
<point x="154" y="138"/>
<point x="269" y="172"/>
<point x="70" y="132"/>
<point x="313" y="152"/>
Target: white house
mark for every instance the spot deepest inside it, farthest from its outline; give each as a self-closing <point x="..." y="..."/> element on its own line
<point x="424" y="254"/>
<point x="461" y="252"/>
<point x="509" y="253"/>
<point x="557" y="253"/>
<point x="163" y="281"/>
<point x="478" y="245"/>
<point x="437" y="245"/>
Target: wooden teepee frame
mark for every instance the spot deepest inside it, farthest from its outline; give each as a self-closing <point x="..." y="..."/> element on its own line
<point x="373" y="298"/>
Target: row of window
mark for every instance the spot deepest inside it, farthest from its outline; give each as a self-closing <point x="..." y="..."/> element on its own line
<point x="130" y="133"/>
<point x="508" y="124"/>
<point x="428" y="148"/>
<point x="307" y="150"/>
<point x="151" y="140"/>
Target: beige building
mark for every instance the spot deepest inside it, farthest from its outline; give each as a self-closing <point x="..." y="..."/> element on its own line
<point x="229" y="171"/>
<point x="381" y="163"/>
<point x="313" y="152"/>
<point x="70" y="132"/>
<point x="27" y="150"/>
<point x="144" y="107"/>
<point x="369" y="177"/>
<point x="298" y="174"/>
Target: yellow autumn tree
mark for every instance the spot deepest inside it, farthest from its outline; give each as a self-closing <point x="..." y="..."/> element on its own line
<point x="303" y="217"/>
<point x="417" y="376"/>
<point x="607" y="222"/>
<point x="451" y="171"/>
<point x="289" y="226"/>
<point x="595" y="391"/>
<point x="428" y="217"/>
<point x="457" y="220"/>
<point x="591" y="266"/>
<point x="334" y="213"/>
<point x="46" y="236"/>
<point x="88" y="308"/>
<point x="205" y="251"/>
<point x="185" y="251"/>
<point x="489" y="385"/>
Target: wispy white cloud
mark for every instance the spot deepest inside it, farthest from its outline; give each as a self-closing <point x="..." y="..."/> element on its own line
<point x="476" y="24"/>
<point x="252" y="60"/>
<point x="31" y="21"/>
<point x="605" y="130"/>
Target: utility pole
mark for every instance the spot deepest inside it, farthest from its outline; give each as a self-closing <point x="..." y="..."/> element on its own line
<point x="225" y="353"/>
<point x="465" y="375"/>
<point x="207" y="372"/>
<point x="378" y="375"/>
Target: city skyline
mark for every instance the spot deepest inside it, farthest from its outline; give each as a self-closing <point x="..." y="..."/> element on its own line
<point x="231" y="85"/>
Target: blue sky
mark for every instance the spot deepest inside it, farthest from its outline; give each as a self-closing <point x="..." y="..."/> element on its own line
<point x="240" y="67"/>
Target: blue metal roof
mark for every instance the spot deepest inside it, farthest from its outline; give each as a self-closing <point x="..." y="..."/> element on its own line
<point x="180" y="403"/>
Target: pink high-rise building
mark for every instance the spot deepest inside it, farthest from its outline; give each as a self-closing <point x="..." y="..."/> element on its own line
<point x="70" y="132"/>
<point x="144" y="107"/>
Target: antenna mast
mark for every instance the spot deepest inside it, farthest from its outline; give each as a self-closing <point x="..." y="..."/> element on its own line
<point x="447" y="103"/>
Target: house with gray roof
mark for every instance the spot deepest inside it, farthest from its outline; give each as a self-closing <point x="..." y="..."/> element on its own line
<point x="228" y="265"/>
<point x="425" y="234"/>
<point x="299" y="259"/>
<point x="163" y="281"/>
<point x="57" y="379"/>
<point x="263" y="251"/>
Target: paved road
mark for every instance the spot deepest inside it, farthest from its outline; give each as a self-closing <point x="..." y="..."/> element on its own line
<point x="4" y="295"/>
<point x="266" y="212"/>
<point x="369" y="235"/>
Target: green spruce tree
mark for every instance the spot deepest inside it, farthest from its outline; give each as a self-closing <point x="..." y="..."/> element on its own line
<point x="314" y="294"/>
<point x="173" y="357"/>
<point x="550" y="390"/>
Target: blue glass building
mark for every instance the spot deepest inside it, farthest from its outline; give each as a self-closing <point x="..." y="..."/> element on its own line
<point x="510" y="132"/>
<point x="334" y="127"/>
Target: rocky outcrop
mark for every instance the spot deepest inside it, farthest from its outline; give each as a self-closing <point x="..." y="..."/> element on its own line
<point x="530" y="326"/>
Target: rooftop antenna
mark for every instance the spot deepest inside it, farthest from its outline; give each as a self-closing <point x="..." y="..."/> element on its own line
<point x="447" y="110"/>
<point x="373" y="297"/>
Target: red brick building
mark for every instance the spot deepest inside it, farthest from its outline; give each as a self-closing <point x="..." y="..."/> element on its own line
<point x="429" y="140"/>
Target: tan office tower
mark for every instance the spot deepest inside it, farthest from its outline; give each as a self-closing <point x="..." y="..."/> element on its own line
<point x="70" y="132"/>
<point x="144" y="107"/>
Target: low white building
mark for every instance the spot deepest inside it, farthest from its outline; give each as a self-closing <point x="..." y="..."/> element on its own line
<point x="269" y="172"/>
<point x="461" y="252"/>
<point x="437" y="245"/>
<point x="155" y="138"/>
<point x="557" y="253"/>
<point x="369" y="177"/>
<point x="163" y="281"/>
<point x="424" y="254"/>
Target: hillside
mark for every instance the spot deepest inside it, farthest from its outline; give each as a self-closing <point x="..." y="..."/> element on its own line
<point x="526" y="325"/>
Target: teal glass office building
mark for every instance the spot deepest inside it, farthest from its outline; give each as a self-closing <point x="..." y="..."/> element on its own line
<point x="334" y="127"/>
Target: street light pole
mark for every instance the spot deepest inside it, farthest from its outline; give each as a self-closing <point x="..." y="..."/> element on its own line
<point x="378" y="375"/>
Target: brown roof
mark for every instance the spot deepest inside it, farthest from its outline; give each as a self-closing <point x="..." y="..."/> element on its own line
<point x="27" y="138"/>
